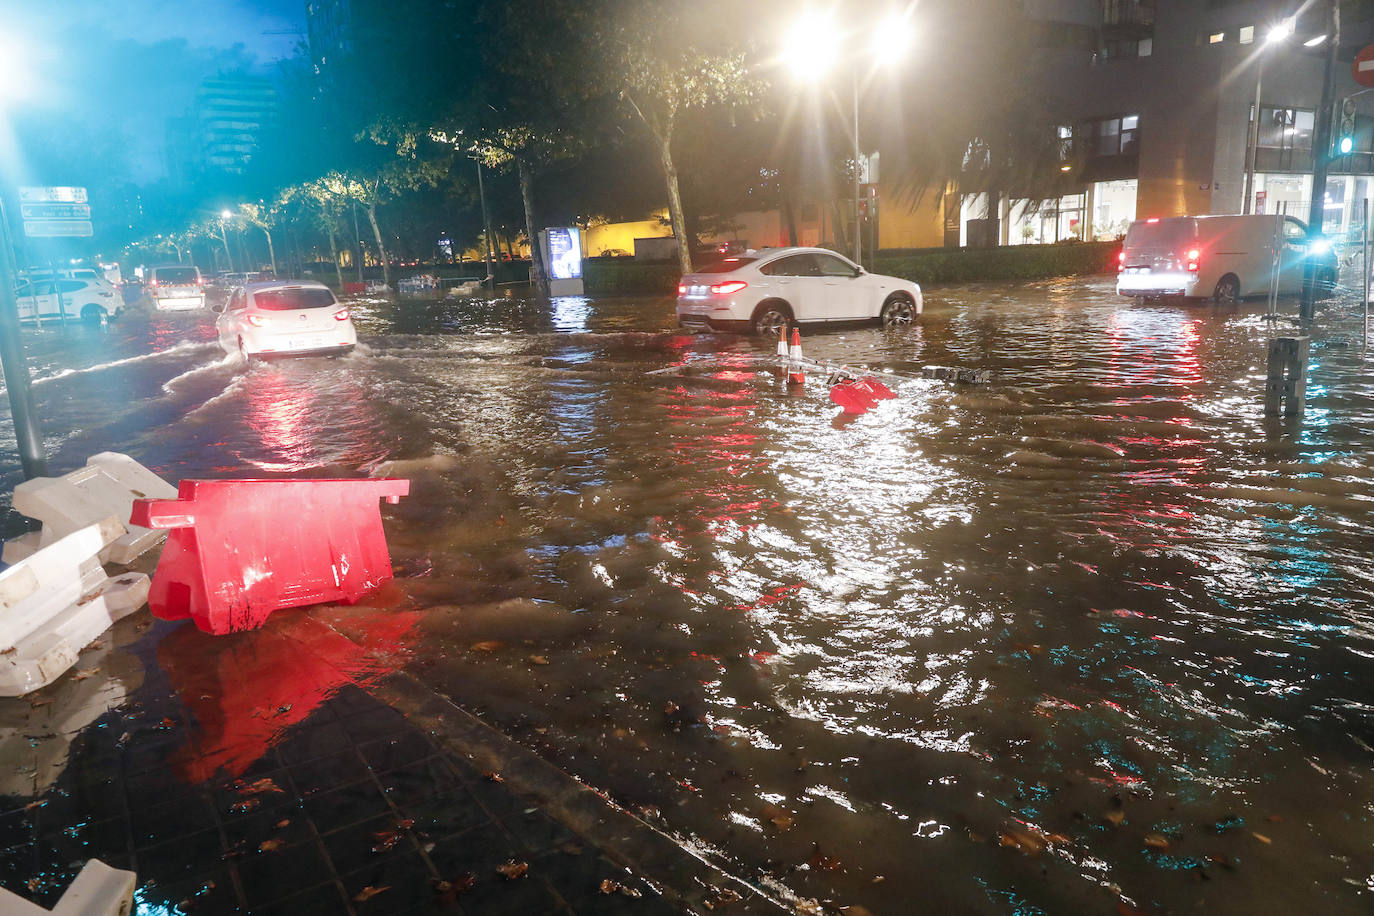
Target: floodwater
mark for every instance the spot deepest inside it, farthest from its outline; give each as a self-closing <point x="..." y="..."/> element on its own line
<point x="1093" y="637"/>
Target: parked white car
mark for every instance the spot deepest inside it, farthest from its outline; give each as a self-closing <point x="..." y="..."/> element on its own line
<point x="92" y="299"/>
<point x="764" y="291"/>
<point x="177" y="287"/>
<point x="284" y="318"/>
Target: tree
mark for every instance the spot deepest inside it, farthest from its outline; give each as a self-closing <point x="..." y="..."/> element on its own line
<point x="257" y="214"/>
<point x="660" y="73"/>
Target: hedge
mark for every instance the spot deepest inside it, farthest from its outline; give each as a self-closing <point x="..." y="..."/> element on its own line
<point x="626" y="276"/>
<point x="1014" y="262"/>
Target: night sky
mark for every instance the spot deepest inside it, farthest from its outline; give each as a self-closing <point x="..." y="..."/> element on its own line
<point x="111" y="79"/>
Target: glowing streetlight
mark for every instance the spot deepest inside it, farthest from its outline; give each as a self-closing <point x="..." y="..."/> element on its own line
<point x="226" y="213"/>
<point x="811" y="49"/>
<point x="1279" y="33"/>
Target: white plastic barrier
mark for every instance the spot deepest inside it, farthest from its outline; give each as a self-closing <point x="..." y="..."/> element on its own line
<point x="98" y="890"/>
<point x="105" y="488"/>
<point x="55" y="603"/>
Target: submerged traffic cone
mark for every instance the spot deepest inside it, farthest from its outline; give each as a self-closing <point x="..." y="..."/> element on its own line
<point x="796" y="375"/>
<point x="782" y="341"/>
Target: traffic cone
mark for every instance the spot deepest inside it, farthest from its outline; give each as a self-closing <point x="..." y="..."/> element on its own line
<point x="797" y="376"/>
<point x="782" y="341"/>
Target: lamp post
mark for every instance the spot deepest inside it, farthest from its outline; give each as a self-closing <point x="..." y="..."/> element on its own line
<point x="224" y="216"/>
<point x="811" y="50"/>
<point x="1277" y="34"/>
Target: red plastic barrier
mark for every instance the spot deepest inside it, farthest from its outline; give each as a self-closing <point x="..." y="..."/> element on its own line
<point x="860" y="395"/>
<point x="241" y="549"/>
<point x="351" y="288"/>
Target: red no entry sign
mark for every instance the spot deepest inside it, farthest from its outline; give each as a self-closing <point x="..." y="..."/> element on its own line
<point x="1362" y="68"/>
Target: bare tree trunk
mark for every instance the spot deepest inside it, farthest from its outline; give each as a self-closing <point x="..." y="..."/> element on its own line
<point x="227" y="256"/>
<point x="841" y="227"/>
<point x="790" y="214"/>
<point x="381" y="248"/>
<point x="537" y="276"/>
<point x="675" y="213"/>
<point x="271" y="252"/>
<point x="334" y="253"/>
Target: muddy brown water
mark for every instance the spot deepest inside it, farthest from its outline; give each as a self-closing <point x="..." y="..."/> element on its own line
<point x="1094" y="637"/>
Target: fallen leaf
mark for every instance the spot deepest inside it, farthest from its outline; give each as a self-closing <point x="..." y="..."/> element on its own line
<point x="629" y="891"/>
<point x="284" y="822"/>
<point x="261" y="787"/>
<point x="487" y="645"/>
<point x="271" y="845"/>
<point x="1115" y="818"/>
<point x="819" y="860"/>
<point x="538" y="660"/>
<point x="609" y="887"/>
<point x="493" y="776"/>
<point x="723" y="896"/>
<point x="780" y="818"/>
<point x="448" y="890"/>
<point x="513" y="869"/>
<point x="1262" y="838"/>
<point x="1031" y="844"/>
<point x="1156" y="841"/>
<point x="369" y="892"/>
<point x="83" y="673"/>
<point x="243" y="807"/>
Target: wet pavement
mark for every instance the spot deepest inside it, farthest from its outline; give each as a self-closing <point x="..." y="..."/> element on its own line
<point x="1093" y="637"/>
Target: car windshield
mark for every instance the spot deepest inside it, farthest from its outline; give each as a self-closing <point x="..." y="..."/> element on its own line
<point x="1164" y="233"/>
<point x="279" y="300"/>
<point x="724" y="267"/>
<point x="176" y="275"/>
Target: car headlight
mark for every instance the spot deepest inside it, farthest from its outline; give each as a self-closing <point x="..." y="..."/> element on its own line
<point x="1319" y="246"/>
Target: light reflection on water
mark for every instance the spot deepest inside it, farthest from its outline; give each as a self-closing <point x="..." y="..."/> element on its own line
<point x="1100" y="599"/>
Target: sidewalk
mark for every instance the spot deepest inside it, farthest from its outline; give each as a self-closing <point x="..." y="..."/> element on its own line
<point x="290" y="771"/>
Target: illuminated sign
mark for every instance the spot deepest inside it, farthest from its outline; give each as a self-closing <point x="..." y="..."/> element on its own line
<point x="565" y="253"/>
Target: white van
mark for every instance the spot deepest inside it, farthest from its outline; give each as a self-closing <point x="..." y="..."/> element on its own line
<point x="1223" y="258"/>
<point x="176" y="288"/>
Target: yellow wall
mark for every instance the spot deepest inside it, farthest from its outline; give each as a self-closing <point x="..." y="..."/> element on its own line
<point x="902" y="225"/>
<point x="611" y="236"/>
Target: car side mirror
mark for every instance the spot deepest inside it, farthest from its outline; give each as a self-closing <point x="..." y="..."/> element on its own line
<point x="858" y="271"/>
<point x="217" y="307"/>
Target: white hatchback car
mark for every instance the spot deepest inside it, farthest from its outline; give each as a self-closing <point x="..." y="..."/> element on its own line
<point x="91" y="299"/>
<point x="284" y="318"/>
<point x="764" y="291"/>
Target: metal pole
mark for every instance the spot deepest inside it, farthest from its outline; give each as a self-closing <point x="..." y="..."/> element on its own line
<point x="16" y="369"/>
<point x="858" y="242"/>
<point x="1252" y="140"/>
<point x="1364" y="261"/>
<point x="486" y="224"/>
<point x="1321" y="159"/>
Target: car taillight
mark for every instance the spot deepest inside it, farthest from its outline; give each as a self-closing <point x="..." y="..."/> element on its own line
<point x="728" y="288"/>
<point x="1193" y="255"/>
<point x="341" y="315"/>
<point x="257" y="321"/>
<point x="152" y="283"/>
<point x="682" y="289"/>
<point x="1121" y="260"/>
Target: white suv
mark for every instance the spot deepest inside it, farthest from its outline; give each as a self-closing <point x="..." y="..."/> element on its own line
<point x="764" y="291"/>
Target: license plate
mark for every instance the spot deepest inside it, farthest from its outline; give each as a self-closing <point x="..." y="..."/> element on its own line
<point x="306" y="343"/>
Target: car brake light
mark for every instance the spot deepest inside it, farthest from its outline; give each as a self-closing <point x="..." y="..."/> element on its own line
<point x="257" y="321"/>
<point x="682" y="289"/>
<point x="341" y="315"/>
<point x="1193" y="255"/>
<point x="152" y="283"/>
<point x="728" y="288"/>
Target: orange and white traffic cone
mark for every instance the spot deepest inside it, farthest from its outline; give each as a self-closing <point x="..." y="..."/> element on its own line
<point x="796" y="375"/>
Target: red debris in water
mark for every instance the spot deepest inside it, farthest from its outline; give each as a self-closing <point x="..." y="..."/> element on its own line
<point x="859" y="396"/>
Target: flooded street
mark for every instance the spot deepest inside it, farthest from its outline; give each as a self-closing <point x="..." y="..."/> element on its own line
<point x="1095" y="631"/>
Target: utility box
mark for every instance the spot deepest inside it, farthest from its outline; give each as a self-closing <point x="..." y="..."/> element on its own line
<point x="562" y="247"/>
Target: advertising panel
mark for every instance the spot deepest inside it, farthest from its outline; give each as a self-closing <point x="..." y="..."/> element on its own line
<point x="565" y="253"/>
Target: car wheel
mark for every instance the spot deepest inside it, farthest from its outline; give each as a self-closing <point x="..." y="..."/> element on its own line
<point x="1227" y="291"/>
<point x="770" y="319"/>
<point x="94" y="314"/>
<point x="898" y="311"/>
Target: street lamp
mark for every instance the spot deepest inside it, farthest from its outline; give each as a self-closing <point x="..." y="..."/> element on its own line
<point x="224" y="216"/>
<point x="1276" y="35"/>
<point x="812" y="48"/>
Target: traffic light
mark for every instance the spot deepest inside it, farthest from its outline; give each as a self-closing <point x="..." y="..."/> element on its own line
<point x="1345" y="135"/>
